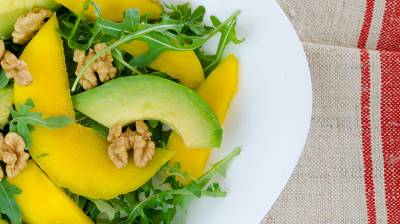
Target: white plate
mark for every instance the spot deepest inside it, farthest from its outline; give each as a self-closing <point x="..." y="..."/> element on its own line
<point x="269" y="118"/>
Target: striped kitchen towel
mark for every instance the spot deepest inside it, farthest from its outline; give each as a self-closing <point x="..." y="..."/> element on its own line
<point x="350" y="169"/>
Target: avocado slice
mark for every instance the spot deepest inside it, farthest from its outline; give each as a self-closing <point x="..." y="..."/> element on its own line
<point x="10" y="10"/>
<point x="145" y="97"/>
<point x="5" y="104"/>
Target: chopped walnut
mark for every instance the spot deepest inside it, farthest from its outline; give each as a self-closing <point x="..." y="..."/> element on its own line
<point x="2" y="48"/>
<point x="29" y="24"/>
<point x="16" y="68"/>
<point x="12" y="152"/>
<point x="89" y="79"/>
<point x="143" y="151"/>
<point x="139" y="141"/>
<point x="118" y="151"/>
<point x="103" y="67"/>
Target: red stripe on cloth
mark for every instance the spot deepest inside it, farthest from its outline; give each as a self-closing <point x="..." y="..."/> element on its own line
<point x="369" y="10"/>
<point x="389" y="39"/>
<point x="366" y="135"/>
<point x="390" y="126"/>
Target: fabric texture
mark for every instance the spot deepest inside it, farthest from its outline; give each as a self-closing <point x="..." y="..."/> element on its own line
<point x="350" y="169"/>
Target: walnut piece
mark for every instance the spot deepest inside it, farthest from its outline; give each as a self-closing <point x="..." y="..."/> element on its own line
<point x="103" y="66"/>
<point x="12" y="152"/>
<point x="29" y="24"/>
<point x="139" y="141"/>
<point x="88" y="79"/>
<point x="16" y="69"/>
<point x="2" y="48"/>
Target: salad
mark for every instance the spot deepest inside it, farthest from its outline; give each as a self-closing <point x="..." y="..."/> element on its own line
<point x="109" y="110"/>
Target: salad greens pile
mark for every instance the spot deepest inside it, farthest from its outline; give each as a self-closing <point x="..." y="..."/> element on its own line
<point x="166" y="197"/>
<point x="179" y="29"/>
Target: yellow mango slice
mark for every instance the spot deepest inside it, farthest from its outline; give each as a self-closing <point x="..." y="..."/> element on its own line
<point x="114" y="9"/>
<point x="3" y="222"/>
<point x="45" y="58"/>
<point x="218" y="90"/>
<point x="41" y="202"/>
<point x="181" y="65"/>
<point x="76" y="158"/>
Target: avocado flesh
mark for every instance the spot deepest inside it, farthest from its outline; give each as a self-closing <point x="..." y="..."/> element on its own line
<point x="145" y="97"/>
<point x="5" y="104"/>
<point x="10" y="10"/>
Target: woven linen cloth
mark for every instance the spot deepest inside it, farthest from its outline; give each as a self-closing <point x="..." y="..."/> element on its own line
<point x="350" y="169"/>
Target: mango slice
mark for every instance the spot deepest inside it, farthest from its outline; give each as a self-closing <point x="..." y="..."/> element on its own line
<point x="45" y="58"/>
<point x="218" y="90"/>
<point x="182" y="65"/>
<point x="114" y="9"/>
<point x="3" y="222"/>
<point x="75" y="156"/>
<point x="43" y="203"/>
<point x="77" y="159"/>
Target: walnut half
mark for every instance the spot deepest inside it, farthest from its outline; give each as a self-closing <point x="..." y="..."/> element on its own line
<point x="29" y="24"/>
<point x="103" y="66"/>
<point x="12" y="152"/>
<point x="16" y="68"/>
<point x="139" y="141"/>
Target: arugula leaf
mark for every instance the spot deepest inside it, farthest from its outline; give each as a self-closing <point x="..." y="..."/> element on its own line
<point x="228" y="35"/>
<point x="219" y="168"/>
<point x="79" y="35"/>
<point x="8" y="205"/>
<point x="105" y="208"/>
<point x="23" y="121"/>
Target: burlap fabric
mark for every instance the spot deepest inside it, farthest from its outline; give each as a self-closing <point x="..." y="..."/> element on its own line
<point x="350" y="169"/>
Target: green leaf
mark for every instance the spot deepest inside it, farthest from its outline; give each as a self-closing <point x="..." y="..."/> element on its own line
<point x="194" y="188"/>
<point x="57" y="122"/>
<point x="130" y="23"/>
<point x="105" y="208"/>
<point x="4" y="80"/>
<point x="23" y="121"/>
<point x="214" y="190"/>
<point x="8" y="205"/>
<point x="219" y="168"/>
<point x="228" y="35"/>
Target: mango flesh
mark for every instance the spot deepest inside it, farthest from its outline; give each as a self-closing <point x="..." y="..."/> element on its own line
<point x="218" y="90"/>
<point x="114" y="9"/>
<point x="41" y="202"/>
<point x="10" y="10"/>
<point x="3" y="222"/>
<point x="181" y="65"/>
<point x="146" y="97"/>
<point x="45" y="58"/>
<point x="76" y="157"/>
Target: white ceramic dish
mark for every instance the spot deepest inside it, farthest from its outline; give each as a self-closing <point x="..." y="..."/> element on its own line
<point x="269" y="118"/>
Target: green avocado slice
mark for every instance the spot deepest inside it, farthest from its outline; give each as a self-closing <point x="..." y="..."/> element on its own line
<point x="10" y="10"/>
<point x="145" y="97"/>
